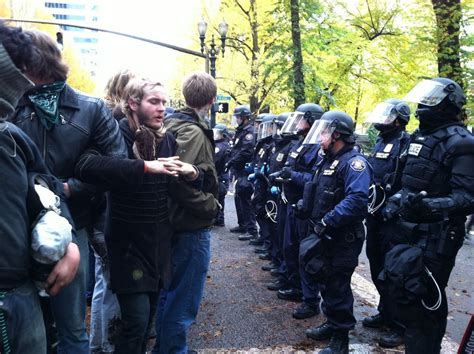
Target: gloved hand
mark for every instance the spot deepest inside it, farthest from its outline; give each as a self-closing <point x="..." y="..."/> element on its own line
<point x="285" y="172"/>
<point x="300" y="211"/>
<point x="264" y="169"/>
<point x="249" y="168"/>
<point x="251" y="177"/>
<point x="319" y="227"/>
<point x="392" y="208"/>
<point x="272" y="176"/>
<point x="274" y="190"/>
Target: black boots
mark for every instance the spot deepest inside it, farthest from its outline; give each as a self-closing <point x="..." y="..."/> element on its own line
<point x="339" y="343"/>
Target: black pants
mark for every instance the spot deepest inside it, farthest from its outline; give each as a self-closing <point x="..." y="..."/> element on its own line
<point x="243" y="205"/>
<point x="138" y="310"/>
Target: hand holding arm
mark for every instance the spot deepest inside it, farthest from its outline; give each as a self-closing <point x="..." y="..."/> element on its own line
<point x="64" y="271"/>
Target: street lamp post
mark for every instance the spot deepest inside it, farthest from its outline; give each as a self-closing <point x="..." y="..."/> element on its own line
<point x="212" y="52"/>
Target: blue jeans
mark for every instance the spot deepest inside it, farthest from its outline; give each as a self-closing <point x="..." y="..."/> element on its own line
<point x="24" y="320"/>
<point x="179" y="304"/>
<point x="69" y="306"/>
<point x="137" y="310"/>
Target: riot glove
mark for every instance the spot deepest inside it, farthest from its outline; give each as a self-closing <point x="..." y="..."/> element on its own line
<point x="275" y="190"/>
<point x="285" y="172"/>
<point x="249" y="167"/>
<point x="300" y="211"/>
<point x="392" y="208"/>
<point x="227" y="166"/>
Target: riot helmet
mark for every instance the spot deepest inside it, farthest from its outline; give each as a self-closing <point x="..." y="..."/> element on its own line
<point x="220" y="132"/>
<point x="266" y="127"/>
<point x="331" y="122"/>
<point x="312" y="112"/>
<point x="386" y="114"/>
<point x="439" y="99"/>
<point x="241" y="113"/>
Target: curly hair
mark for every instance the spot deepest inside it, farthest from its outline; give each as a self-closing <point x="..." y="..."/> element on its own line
<point x="51" y="65"/>
<point x="19" y="46"/>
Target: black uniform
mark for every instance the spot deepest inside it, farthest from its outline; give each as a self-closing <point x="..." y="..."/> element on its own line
<point x="387" y="167"/>
<point x="242" y="153"/>
<point x="439" y="162"/>
<point x="221" y="157"/>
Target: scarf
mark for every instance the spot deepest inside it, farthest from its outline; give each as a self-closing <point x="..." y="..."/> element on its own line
<point x="146" y="142"/>
<point x="45" y="100"/>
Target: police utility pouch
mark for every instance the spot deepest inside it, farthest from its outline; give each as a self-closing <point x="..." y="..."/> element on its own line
<point x="313" y="257"/>
<point x="51" y="233"/>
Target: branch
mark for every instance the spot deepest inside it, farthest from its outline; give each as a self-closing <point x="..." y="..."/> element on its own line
<point x="246" y="12"/>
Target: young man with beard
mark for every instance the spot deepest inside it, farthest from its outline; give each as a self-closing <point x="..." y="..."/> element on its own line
<point x="138" y="232"/>
<point x="192" y="213"/>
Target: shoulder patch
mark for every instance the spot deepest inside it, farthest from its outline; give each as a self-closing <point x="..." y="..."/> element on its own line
<point x="358" y="165"/>
<point x="249" y="136"/>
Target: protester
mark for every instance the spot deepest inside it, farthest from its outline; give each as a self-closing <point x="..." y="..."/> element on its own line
<point x="138" y="232"/>
<point x="192" y="213"/>
<point x="63" y="123"/>
<point x="22" y="329"/>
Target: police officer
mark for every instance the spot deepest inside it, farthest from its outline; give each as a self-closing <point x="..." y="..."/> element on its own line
<point x="339" y="195"/>
<point x="222" y="149"/>
<point x="261" y="196"/>
<point x="390" y="119"/>
<point x="240" y="155"/>
<point x="297" y="171"/>
<point x="437" y="193"/>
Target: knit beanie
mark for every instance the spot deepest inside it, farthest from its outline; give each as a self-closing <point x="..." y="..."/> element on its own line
<point x="13" y="84"/>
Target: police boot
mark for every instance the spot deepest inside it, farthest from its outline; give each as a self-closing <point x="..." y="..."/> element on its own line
<point x="322" y="332"/>
<point x="306" y="310"/>
<point x="247" y="237"/>
<point x="291" y="294"/>
<point x="339" y="344"/>
<point x="375" y="321"/>
<point x="277" y="285"/>
<point x="238" y="230"/>
<point x="391" y="339"/>
<point x="256" y="242"/>
<point x="269" y="267"/>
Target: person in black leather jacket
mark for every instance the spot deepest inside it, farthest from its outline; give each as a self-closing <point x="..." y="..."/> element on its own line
<point x="63" y="123"/>
<point x="22" y="330"/>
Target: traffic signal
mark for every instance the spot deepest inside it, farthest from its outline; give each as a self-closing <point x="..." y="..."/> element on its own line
<point x="223" y="107"/>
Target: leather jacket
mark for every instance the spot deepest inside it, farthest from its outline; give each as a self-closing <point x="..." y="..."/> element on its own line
<point x="85" y="122"/>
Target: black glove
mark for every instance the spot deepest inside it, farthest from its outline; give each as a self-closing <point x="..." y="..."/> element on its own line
<point x="300" y="211"/>
<point x="285" y="172"/>
<point x="319" y="228"/>
<point x="392" y="208"/>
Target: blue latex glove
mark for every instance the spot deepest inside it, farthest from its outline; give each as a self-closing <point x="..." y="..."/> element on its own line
<point x="248" y="168"/>
<point x="275" y="190"/>
<point x="265" y="169"/>
<point x="251" y="177"/>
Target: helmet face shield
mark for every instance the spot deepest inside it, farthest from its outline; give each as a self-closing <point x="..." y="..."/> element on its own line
<point x="320" y="132"/>
<point x="218" y="134"/>
<point x="384" y="113"/>
<point x="427" y="92"/>
<point x="291" y="124"/>
<point x="265" y="129"/>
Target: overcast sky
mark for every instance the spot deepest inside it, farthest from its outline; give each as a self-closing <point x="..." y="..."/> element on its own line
<point x="173" y="22"/>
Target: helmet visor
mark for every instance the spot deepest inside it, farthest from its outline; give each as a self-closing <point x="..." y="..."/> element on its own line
<point x="291" y="124"/>
<point x="218" y="134"/>
<point x="320" y="132"/>
<point x="264" y="129"/>
<point x="384" y="113"/>
<point x="427" y="92"/>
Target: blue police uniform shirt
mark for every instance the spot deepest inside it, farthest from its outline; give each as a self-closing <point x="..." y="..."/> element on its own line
<point x="243" y="147"/>
<point x="342" y="188"/>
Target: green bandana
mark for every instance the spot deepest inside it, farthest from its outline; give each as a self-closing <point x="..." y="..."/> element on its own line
<point x="45" y="99"/>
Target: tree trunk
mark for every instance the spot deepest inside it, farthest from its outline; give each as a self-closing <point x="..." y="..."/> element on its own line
<point x="448" y="18"/>
<point x="298" y="77"/>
